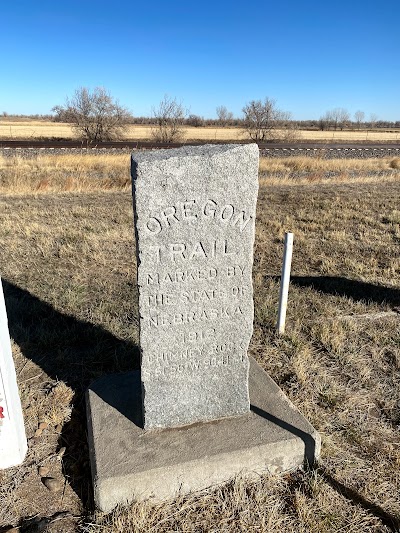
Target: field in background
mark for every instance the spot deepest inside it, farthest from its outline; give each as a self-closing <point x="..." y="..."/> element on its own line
<point x="67" y="260"/>
<point x="76" y="173"/>
<point x="41" y="129"/>
<point x="46" y="129"/>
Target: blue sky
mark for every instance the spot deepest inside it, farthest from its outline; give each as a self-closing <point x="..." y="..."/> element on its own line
<point x="309" y="56"/>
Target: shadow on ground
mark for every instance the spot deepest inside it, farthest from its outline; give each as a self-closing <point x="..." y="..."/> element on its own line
<point x="73" y="351"/>
<point x="78" y="352"/>
<point x="356" y="290"/>
<point x="387" y="518"/>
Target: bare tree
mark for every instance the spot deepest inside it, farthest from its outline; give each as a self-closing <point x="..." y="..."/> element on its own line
<point x="264" y="122"/>
<point x="373" y="119"/>
<point x="94" y="115"/>
<point x="169" y="120"/>
<point x="338" y="117"/>
<point x="224" y="116"/>
<point x="325" y="121"/>
<point x="359" y="117"/>
<point x="335" y="118"/>
<point x="195" y="120"/>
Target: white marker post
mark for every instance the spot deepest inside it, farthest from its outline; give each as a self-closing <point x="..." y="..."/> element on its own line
<point x="13" y="443"/>
<point x="285" y="278"/>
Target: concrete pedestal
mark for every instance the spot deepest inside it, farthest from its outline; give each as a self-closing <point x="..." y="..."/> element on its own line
<point x="129" y="463"/>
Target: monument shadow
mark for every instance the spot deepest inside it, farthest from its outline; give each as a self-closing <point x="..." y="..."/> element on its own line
<point x="354" y="289"/>
<point x="75" y="352"/>
<point x="309" y="441"/>
<point x="78" y="352"/>
<point x="388" y="519"/>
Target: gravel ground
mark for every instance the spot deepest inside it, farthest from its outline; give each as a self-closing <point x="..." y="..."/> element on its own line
<point x="326" y="153"/>
<point x="332" y="153"/>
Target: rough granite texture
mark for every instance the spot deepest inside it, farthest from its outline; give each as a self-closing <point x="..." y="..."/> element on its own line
<point x="13" y="443"/>
<point x="195" y="211"/>
<point x="129" y="463"/>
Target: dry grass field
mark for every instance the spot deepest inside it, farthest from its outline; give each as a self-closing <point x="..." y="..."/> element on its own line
<point x="67" y="259"/>
<point x="37" y="129"/>
<point x="83" y="173"/>
<point x="46" y="129"/>
<point x="350" y="135"/>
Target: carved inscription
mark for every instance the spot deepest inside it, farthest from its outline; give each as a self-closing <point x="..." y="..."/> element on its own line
<point x="161" y="299"/>
<point x="195" y="287"/>
<point x="194" y="211"/>
<point x="193" y="274"/>
<point x="213" y="354"/>
<point x="185" y="251"/>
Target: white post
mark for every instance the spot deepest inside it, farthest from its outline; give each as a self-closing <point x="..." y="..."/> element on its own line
<point x="285" y="278"/>
<point x="13" y="443"/>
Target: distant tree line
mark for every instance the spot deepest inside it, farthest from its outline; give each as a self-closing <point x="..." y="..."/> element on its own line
<point x="96" y="116"/>
<point x="13" y="116"/>
<point x="191" y="119"/>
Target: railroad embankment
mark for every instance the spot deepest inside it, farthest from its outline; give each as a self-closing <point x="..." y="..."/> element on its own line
<point x="275" y="151"/>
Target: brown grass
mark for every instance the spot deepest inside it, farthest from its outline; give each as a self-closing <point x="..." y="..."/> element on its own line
<point x="346" y="135"/>
<point x="316" y="164"/>
<point x="78" y="173"/>
<point x="395" y="163"/>
<point x="302" y="170"/>
<point x="68" y="267"/>
<point x="46" y="129"/>
<point x="57" y="173"/>
<point x="37" y="129"/>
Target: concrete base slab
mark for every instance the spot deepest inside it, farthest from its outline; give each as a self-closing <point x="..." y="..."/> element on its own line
<point x="129" y="463"/>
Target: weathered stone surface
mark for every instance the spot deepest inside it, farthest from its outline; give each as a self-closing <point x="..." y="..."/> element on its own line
<point x="13" y="443"/>
<point x="195" y="212"/>
<point x="129" y="463"/>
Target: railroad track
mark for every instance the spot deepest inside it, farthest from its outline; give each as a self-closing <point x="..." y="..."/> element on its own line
<point x="152" y="145"/>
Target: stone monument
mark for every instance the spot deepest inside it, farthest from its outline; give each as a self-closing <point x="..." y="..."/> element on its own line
<point x="200" y="411"/>
<point x="13" y="443"/>
<point x="195" y="220"/>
